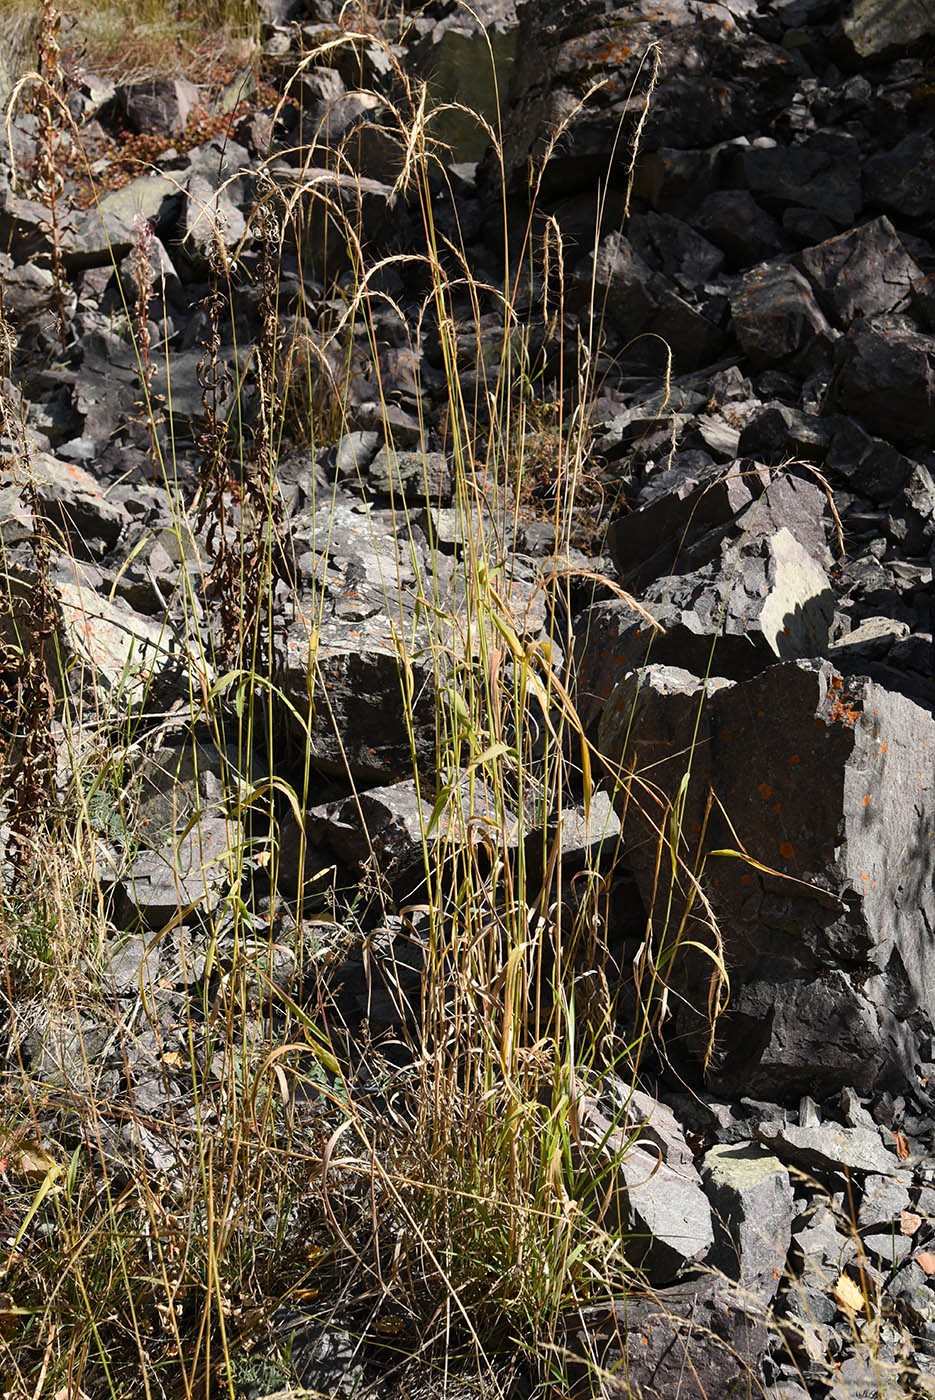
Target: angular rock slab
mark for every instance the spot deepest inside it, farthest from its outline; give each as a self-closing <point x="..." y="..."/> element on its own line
<point x="829" y="784"/>
<point x="875" y="27"/>
<point x="388" y="632"/>
<point x="696" y="1341"/>
<point x="191" y="872"/>
<point x="647" y="1178"/>
<point x="864" y="272"/>
<point x="885" y="376"/>
<point x="761" y="593"/>
<point x="102" y="645"/>
<point x="775" y="316"/>
<point x="752" y="1202"/>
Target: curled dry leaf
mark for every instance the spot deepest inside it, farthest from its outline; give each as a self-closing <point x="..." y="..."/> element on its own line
<point x="847" y="1295"/>
<point x="30" y="1160"/>
<point x="903" y="1149"/>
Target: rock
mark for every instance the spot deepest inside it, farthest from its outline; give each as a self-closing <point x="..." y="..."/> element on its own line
<point x="559" y="43"/>
<point x="675" y="249"/>
<point x="744" y="232"/>
<point x="81" y="516"/>
<point x="870" y="640"/>
<point x="152" y="197"/>
<point x="182" y="776"/>
<point x="468" y="65"/>
<point x="354" y="676"/>
<point x="190" y="873"/>
<point x="752" y="1204"/>
<point x="676" y="530"/>
<point x="130" y="964"/>
<point x="821" y="173"/>
<point x="327" y="199"/>
<point x="29" y="294"/>
<point x="61" y="1047"/>
<point x="763" y="596"/>
<point x="385" y="825"/>
<point x="912" y="517"/>
<point x="864" y="272"/>
<point x="829" y="1147"/>
<point x="776" y="317"/>
<point x="158" y="106"/>
<point x="695" y="1340"/>
<point x="102" y="648"/>
<point x="210" y="217"/>
<point x="871" y="466"/>
<point x="619" y="282"/>
<point x="649" y="1187"/>
<point x="820" y="1253"/>
<point x="779" y="433"/>
<point x="826" y="932"/>
<point x="420" y="476"/>
<point x="885" y="377"/>
<point x="902" y="181"/>
<point x="875" y="27"/>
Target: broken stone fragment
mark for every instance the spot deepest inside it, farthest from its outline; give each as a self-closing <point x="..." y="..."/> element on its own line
<point x="647" y="1183"/>
<point x="752" y="1204"/>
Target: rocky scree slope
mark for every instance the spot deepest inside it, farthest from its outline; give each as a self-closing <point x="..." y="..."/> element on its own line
<point x="773" y="508"/>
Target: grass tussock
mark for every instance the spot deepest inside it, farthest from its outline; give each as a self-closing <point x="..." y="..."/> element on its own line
<point x="202" y="1156"/>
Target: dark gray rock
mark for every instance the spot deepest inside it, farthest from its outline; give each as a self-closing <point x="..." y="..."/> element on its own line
<point x="885" y="377"/>
<point x="752" y="1203"/>
<point x="779" y="433"/>
<point x="911" y="521"/>
<point x="675" y="249"/>
<point x="556" y="43"/>
<point x="822" y="173"/>
<point x="621" y="284"/>
<point x="676" y="181"/>
<point x="873" y="467"/>
<point x="470" y="65"/>
<point x="677" y="530"/>
<point x="81" y="516"/>
<point x="820" y="1253"/>
<point x="764" y="595"/>
<point x="878" y="27"/>
<point x="775" y="317"/>
<point x="211" y="219"/>
<point x="646" y="1182"/>
<point x="740" y="227"/>
<point x="414" y="476"/>
<point x="696" y="1340"/>
<point x="347" y="680"/>
<point x="190" y="873"/>
<point x="829" y="965"/>
<point x="864" y="272"/>
<point x="162" y="106"/>
<point x="383" y="824"/>
<point x="828" y="1147"/>
<point x="883" y="1200"/>
<point x="328" y="198"/>
<point x="349" y="652"/>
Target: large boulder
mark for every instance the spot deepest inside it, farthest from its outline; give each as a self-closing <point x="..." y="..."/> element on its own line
<point x="885" y="376"/>
<point x="566" y="51"/>
<point x="823" y="927"/>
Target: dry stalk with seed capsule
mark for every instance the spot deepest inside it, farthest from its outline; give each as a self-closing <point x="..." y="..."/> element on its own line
<point x="53" y="146"/>
<point x="144" y="280"/>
